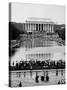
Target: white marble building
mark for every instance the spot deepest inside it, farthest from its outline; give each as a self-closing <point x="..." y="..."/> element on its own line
<point x="39" y="24"/>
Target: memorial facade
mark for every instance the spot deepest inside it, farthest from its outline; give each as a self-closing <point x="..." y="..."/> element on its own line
<point x="39" y="24"/>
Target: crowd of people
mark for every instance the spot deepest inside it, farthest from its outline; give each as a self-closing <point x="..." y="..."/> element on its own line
<point x="35" y="65"/>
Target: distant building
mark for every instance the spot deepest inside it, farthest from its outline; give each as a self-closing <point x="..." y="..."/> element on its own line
<point x="39" y="24"/>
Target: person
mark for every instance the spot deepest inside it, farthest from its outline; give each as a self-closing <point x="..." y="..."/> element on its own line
<point x="47" y="78"/>
<point x="59" y="82"/>
<point x="62" y="72"/>
<point x="42" y="78"/>
<point x="36" y="79"/>
<point x="20" y="85"/>
<point x="56" y="72"/>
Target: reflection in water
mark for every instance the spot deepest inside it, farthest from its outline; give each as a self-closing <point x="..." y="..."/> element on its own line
<point x="46" y="77"/>
<point x="20" y="54"/>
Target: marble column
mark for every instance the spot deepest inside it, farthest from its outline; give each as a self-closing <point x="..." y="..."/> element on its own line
<point x="31" y="26"/>
<point x="45" y="28"/>
<point x="38" y="27"/>
<point x="35" y="27"/>
<point x="52" y="28"/>
<point x="28" y="26"/>
<point x="48" y="27"/>
<point x="25" y="26"/>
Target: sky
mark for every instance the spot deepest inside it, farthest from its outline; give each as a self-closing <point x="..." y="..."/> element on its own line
<point x="20" y="12"/>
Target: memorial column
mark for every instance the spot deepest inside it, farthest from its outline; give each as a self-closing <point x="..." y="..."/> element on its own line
<point x="52" y="28"/>
<point x="38" y="27"/>
<point x="45" y="27"/>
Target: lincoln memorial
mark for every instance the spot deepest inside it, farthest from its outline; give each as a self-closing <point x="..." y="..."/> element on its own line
<point x="39" y="24"/>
